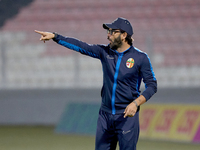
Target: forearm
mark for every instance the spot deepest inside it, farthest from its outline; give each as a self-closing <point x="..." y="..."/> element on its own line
<point x="77" y="45"/>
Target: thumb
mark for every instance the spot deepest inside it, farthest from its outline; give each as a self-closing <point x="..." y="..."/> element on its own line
<point x="43" y="37"/>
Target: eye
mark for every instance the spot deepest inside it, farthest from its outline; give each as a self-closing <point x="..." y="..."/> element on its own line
<point x="110" y="32"/>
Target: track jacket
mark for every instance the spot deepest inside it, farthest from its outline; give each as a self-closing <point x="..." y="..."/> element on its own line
<point x="122" y="73"/>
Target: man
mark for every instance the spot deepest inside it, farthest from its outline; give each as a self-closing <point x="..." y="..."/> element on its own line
<point x="124" y="67"/>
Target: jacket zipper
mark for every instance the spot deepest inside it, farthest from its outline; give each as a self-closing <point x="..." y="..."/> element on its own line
<point x="120" y="55"/>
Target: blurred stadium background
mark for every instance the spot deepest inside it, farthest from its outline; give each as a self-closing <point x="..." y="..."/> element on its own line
<point x="38" y="80"/>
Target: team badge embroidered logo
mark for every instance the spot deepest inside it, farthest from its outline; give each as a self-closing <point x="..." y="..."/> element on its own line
<point x="130" y="63"/>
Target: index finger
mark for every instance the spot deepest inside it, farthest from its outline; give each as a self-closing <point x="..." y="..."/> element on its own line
<point x="40" y="32"/>
<point x="125" y="113"/>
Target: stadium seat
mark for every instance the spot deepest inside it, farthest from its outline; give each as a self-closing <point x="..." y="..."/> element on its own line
<point x="166" y="28"/>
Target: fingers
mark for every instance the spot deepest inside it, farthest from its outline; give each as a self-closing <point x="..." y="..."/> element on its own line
<point x="125" y="113"/>
<point x="45" y="36"/>
<point x="40" y="32"/>
<point x="129" y="112"/>
<point x="129" y="115"/>
<point x="42" y="35"/>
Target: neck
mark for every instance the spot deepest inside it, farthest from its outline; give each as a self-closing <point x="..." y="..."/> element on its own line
<point x="123" y="48"/>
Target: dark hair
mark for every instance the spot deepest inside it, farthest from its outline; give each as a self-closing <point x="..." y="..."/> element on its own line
<point x="128" y="38"/>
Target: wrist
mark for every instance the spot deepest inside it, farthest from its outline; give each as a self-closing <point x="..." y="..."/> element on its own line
<point x="55" y="35"/>
<point x="135" y="103"/>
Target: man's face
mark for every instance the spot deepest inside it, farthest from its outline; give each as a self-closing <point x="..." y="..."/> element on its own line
<point x="114" y="36"/>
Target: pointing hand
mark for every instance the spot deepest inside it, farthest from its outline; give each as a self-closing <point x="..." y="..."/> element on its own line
<point x="45" y="36"/>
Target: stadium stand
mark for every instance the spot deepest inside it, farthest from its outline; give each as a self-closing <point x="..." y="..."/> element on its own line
<point x="167" y="30"/>
<point x="9" y="8"/>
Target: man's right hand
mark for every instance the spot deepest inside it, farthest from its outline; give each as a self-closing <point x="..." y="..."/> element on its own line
<point x="45" y="36"/>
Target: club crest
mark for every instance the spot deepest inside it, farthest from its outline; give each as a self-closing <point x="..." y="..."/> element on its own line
<point x="130" y="63"/>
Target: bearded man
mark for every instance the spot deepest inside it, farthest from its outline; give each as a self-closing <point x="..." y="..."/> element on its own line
<point x="124" y="67"/>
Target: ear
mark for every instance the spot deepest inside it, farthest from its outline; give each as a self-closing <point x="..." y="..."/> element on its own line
<point x="124" y="35"/>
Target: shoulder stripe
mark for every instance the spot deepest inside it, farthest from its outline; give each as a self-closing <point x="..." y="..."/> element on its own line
<point x="76" y="48"/>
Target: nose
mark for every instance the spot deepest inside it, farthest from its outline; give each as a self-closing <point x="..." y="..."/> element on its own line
<point x="108" y="35"/>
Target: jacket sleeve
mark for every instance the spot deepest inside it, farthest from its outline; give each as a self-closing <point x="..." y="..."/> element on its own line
<point x="149" y="78"/>
<point x="79" y="46"/>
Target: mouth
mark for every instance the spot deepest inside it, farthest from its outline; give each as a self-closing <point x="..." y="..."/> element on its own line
<point x="109" y="40"/>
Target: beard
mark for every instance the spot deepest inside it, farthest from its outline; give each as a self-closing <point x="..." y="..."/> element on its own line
<point x="116" y="43"/>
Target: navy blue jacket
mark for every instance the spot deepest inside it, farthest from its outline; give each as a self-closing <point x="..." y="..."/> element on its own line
<point x="122" y="73"/>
